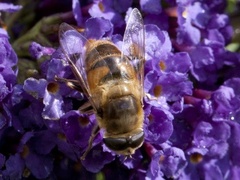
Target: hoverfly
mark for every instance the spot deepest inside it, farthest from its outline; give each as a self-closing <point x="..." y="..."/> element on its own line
<point x="112" y="81"/>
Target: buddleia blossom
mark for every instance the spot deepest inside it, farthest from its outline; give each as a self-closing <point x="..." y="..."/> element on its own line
<point x="157" y="130"/>
<point x="204" y="32"/>
<point x="8" y="77"/>
<point x="8" y="62"/>
<point x="191" y="101"/>
<point x="209" y="148"/>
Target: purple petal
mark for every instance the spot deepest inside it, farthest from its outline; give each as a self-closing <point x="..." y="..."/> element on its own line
<point x="8" y="57"/>
<point x="76" y="8"/>
<point x="104" y="28"/>
<point x="40" y="166"/>
<point x="37" y="51"/>
<point x="56" y="66"/>
<point x="206" y="134"/>
<point x="158" y="43"/>
<point x="198" y="14"/>
<point x="234" y="172"/>
<point x="175" y="86"/>
<point x="180" y="62"/>
<point x="14" y="167"/>
<point x="201" y="57"/>
<point x="43" y="142"/>
<point x="215" y="35"/>
<point x="234" y="143"/>
<point x="53" y="109"/>
<point x="4" y="89"/>
<point x="158" y="128"/>
<point x="234" y="83"/>
<point x="188" y="35"/>
<point x="31" y="115"/>
<point x="212" y="171"/>
<point x="77" y="127"/>
<point x="3" y="33"/>
<point x="173" y="162"/>
<point x="152" y="6"/>
<point x="225" y="103"/>
<point x="154" y="170"/>
<point x="218" y="21"/>
<point x="35" y="87"/>
<point x="105" y="9"/>
<point x="96" y="159"/>
<point x="9" y="7"/>
<point x="134" y="162"/>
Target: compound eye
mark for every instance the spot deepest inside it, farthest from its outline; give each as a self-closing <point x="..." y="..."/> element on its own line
<point x="120" y="144"/>
<point x="136" y="140"/>
<point x="116" y="144"/>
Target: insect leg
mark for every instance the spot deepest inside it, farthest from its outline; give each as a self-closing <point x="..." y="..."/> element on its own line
<point x="90" y="141"/>
<point x="72" y="83"/>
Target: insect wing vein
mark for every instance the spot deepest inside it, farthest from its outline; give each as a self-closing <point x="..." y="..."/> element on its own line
<point x="134" y="44"/>
<point x="73" y="46"/>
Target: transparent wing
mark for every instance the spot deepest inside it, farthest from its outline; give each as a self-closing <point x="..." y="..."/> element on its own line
<point x="134" y="43"/>
<point x="73" y="46"/>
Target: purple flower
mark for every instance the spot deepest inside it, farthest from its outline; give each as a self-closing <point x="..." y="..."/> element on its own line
<point x="14" y="167"/>
<point x="77" y="128"/>
<point x="106" y="9"/>
<point x="234" y="143"/>
<point x="158" y="43"/>
<point x="209" y="148"/>
<point x="188" y="35"/>
<point x="8" y="73"/>
<point x="233" y="83"/>
<point x="212" y="136"/>
<point x="169" y="162"/>
<point x="9" y="7"/>
<point x="191" y="100"/>
<point x="35" y="87"/>
<point x="104" y="28"/>
<point x="211" y="152"/>
<point x="158" y="126"/>
<point x="204" y="65"/>
<point x="224" y="102"/>
<point x="56" y="66"/>
<point x="168" y="68"/>
<point x="134" y="162"/>
<point x="152" y="6"/>
<point x="76" y="8"/>
<point x="38" y="51"/>
<point x="39" y="165"/>
<point x="97" y="158"/>
<point x="203" y="32"/>
<point x="199" y="15"/>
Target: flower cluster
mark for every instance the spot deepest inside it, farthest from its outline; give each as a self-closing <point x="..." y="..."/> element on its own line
<point x="191" y="102"/>
<point x="8" y="77"/>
